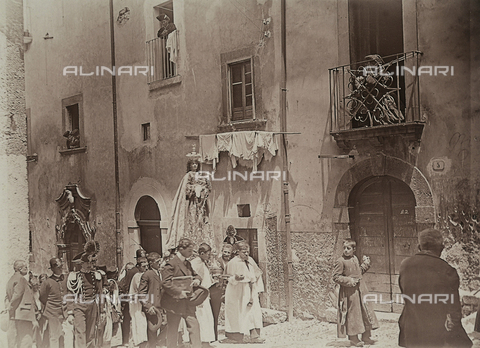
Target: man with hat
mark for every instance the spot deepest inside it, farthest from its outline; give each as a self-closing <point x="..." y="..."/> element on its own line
<point x="179" y="303"/>
<point x="166" y="27"/>
<point x="52" y="291"/>
<point x="151" y="284"/>
<point x="124" y="287"/>
<point x="85" y="288"/>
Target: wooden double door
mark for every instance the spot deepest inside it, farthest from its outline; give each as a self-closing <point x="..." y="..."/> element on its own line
<point x="382" y="221"/>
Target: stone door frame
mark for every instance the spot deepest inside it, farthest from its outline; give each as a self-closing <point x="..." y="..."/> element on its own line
<point x="380" y="165"/>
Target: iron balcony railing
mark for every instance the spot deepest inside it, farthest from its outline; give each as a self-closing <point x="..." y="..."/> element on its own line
<point x="159" y="57"/>
<point x="377" y="91"/>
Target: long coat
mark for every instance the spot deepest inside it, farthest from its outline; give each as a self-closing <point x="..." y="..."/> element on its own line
<point x="423" y="324"/>
<point x="19" y="298"/>
<point x="350" y="320"/>
<point x="170" y="299"/>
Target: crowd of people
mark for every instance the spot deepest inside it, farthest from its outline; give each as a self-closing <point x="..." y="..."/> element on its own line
<point x="175" y="299"/>
<point x="154" y="301"/>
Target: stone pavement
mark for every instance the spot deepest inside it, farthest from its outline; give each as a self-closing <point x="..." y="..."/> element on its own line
<point x="313" y="333"/>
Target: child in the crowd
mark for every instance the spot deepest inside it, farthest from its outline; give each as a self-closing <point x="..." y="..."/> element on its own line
<point x="354" y="315"/>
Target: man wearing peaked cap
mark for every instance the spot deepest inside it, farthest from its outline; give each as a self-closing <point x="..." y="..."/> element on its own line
<point x="84" y="288"/>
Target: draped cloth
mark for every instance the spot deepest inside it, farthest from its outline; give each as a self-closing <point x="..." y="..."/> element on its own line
<point x="172" y="46"/>
<point x="245" y="148"/>
<point x="208" y="149"/>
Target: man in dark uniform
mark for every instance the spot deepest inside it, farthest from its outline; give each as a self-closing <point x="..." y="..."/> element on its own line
<point x="85" y="287"/>
<point x="124" y="287"/>
<point x="432" y="313"/>
<point x="176" y="302"/>
<point x="52" y="291"/>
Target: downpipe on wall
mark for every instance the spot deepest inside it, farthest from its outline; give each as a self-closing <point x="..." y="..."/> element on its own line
<point x="285" y="182"/>
<point x="115" y="141"/>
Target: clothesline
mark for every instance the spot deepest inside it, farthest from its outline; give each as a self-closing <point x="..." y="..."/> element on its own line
<point x="196" y="136"/>
<point x="245" y="147"/>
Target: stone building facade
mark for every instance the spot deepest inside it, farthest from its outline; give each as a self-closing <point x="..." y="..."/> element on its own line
<point x="14" y="235"/>
<point x="376" y="160"/>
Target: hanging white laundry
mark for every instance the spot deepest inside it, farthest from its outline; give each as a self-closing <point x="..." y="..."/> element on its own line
<point x="172" y="46"/>
<point x="208" y="149"/>
<point x="224" y="142"/>
<point x="268" y="141"/>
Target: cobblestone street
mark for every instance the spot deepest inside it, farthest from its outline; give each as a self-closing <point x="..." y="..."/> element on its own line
<point x="313" y="333"/>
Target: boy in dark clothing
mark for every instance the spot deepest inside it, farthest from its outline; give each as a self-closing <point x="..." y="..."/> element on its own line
<point x="354" y="315"/>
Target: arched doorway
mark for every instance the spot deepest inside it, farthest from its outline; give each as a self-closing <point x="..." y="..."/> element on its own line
<point x="382" y="222"/>
<point x="148" y="219"/>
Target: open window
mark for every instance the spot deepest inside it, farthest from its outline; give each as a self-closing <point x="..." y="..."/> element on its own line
<point x="376" y="40"/>
<point x="72" y="122"/>
<point x="162" y="50"/>
<point x="241" y="90"/>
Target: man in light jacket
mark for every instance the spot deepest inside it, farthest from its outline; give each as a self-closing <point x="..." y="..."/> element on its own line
<point x="20" y="305"/>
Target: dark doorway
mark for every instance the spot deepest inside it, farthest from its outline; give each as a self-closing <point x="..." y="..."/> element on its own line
<point x="382" y="222"/>
<point x="376" y="28"/>
<point x="74" y="242"/>
<point x="250" y="236"/>
<point x="148" y="219"/>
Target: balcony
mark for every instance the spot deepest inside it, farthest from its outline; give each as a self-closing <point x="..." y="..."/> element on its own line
<point x="161" y="57"/>
<point x="376" y="99"/>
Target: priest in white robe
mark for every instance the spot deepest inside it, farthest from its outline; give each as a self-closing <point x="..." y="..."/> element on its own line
<point x="204" y="312"/>
<point x="243" y="315"/>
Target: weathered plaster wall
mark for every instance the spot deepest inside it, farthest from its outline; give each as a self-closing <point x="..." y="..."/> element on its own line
<point x="14" y="236"/>
<point x="80" y="32"/>
<point x="308" y="113"/>
<point x="451" y="134"/>
<point x="194" y="107"/>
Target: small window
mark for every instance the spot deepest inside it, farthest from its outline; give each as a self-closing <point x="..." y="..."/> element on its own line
<point x="73" y="117"/>
<point x="241" y="90"/>
<point x="73" y="121"/>
<point x="146" y="131"/>
<point x="243" y="210"/>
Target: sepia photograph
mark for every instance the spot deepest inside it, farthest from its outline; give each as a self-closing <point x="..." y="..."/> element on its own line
<point x="240" y="173"/>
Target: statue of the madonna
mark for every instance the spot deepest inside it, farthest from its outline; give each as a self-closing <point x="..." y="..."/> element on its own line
<point x="190" y="209"/>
